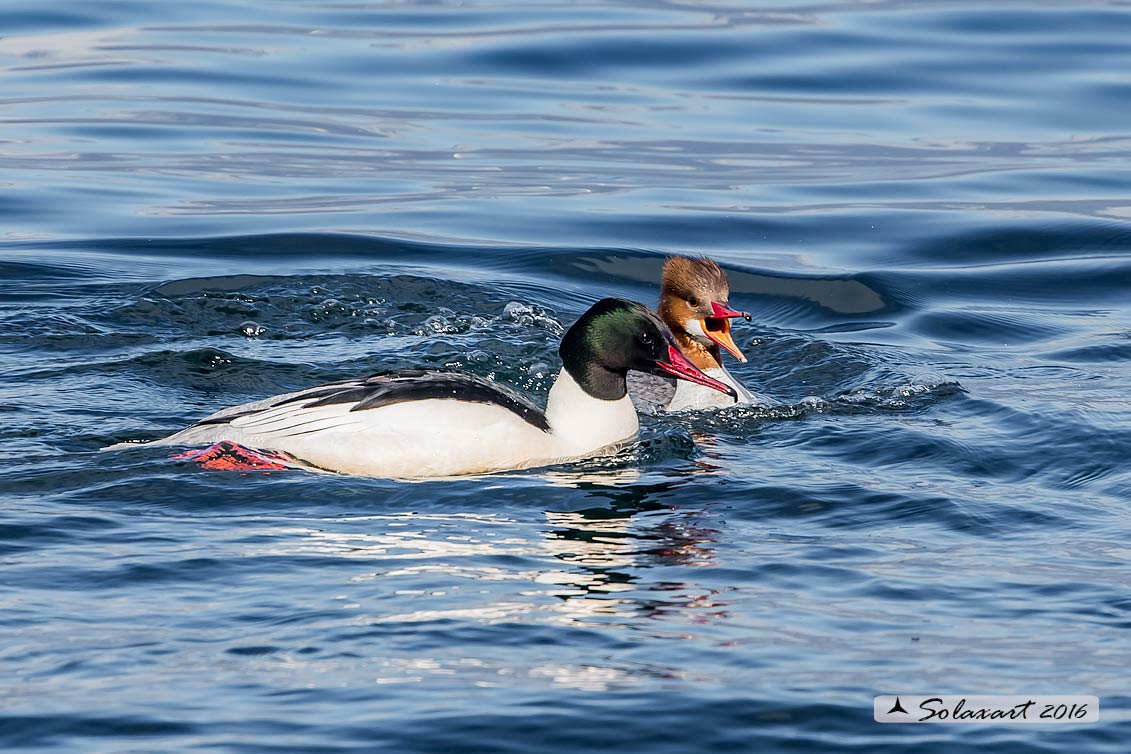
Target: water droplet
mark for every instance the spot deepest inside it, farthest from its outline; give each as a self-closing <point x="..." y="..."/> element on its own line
<point x="530" y="315"/>
<point x="813" y="403"/>
<point x="439" y="324"/>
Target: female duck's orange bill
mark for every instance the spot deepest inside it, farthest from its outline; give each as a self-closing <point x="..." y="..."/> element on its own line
<point x="717" y="327"/>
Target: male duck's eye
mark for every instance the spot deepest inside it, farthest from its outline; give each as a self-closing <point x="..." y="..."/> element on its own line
<point x="645" y="339"/>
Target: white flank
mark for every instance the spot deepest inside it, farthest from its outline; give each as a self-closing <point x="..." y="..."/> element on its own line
<point x="429" y="438"/>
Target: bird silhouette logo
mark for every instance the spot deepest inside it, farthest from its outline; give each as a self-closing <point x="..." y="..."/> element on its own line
<point x="898" y="707"/>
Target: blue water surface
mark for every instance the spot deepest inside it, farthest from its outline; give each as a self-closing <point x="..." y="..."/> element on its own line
<point x="925" y="205"/>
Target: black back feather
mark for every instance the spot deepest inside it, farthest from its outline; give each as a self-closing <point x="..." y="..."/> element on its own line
<point x="406" y="385"/>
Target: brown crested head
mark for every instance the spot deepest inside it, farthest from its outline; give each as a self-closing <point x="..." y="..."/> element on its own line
<point x="694" y="303"/>
<point x="695" y="283"/>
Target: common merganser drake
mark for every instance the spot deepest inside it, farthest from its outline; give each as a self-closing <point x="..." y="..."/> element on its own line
<point x="428" y="423"/>
<point x="694" y="295"/>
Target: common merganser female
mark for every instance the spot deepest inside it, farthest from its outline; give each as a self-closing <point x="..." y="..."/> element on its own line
<point x="428" y="423"/>
<point x="693" y="303"/>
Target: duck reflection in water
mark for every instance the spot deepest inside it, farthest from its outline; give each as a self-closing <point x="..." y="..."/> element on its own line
<point x="610" y="547"/>
<point x="594" y="560"/>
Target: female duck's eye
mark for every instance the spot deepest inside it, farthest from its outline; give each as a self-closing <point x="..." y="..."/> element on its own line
<point x="693" y="301"/>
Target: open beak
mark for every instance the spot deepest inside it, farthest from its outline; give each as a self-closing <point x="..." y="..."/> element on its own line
<point x="678" y="366"/>
<point x="717" y="327"/>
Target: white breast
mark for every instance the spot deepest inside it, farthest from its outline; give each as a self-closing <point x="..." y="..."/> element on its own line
<point x="582" y="423"/>
<point x="690" y="396"/>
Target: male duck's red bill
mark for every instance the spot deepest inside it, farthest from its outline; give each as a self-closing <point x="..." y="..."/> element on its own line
<point x="677" y="365"/>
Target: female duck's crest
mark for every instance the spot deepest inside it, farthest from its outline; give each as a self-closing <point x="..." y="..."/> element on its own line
<point x="693" y="303"/>
<point x="693" y="300"/>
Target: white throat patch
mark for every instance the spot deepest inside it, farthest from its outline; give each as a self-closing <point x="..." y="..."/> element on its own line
<point x="694" y="328"/>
